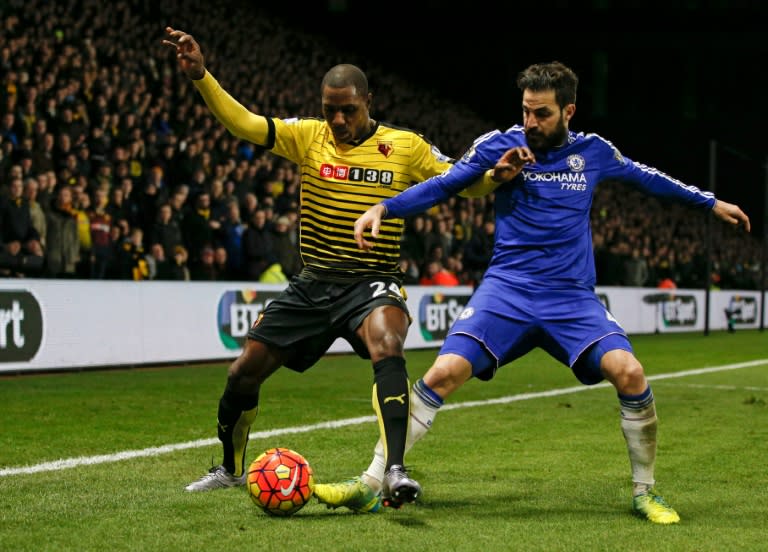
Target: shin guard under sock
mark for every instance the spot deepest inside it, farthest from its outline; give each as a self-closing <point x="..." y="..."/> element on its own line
<point x="392" y="405"/>
<point x="638" y="424"/>
<point x="424" y="406"/>
<point x="236" y="414"/>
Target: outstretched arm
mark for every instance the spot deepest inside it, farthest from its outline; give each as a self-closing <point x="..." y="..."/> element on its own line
<point x="731" y="214"/>
<point x="507" y="167"/>
<point x="232" y="114"/>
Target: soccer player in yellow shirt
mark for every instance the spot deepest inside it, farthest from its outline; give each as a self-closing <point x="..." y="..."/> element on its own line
<point x="348" y="163"/>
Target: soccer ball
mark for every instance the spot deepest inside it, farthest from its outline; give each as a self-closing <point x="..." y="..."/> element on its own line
<point x="280" y="481"/>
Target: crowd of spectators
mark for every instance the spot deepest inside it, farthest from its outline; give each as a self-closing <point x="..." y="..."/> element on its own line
<point x="111" y="166"/>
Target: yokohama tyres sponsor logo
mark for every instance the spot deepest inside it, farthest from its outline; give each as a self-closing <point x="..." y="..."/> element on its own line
<point x="566" y="177"/>
<point x="21" y="326"/>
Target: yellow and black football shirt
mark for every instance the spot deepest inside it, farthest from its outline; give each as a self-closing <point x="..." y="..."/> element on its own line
<point x="339" y="182"/>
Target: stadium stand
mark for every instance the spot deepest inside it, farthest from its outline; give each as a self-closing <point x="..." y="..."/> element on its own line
<point x="92" y="102"/>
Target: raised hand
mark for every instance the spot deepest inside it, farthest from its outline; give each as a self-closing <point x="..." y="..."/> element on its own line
<point x="191" y="60"/>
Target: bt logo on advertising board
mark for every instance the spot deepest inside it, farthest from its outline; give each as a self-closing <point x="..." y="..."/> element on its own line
<point x="21" y="326"/>
<point x="437" y="313"/>
<point x="238" y="311"/>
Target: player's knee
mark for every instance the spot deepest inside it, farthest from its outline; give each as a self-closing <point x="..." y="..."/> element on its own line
<point x="383" y="332"/>
<point x="254" y="365"/>
<point x="610" y="358"/>
<point x="624" y="371"/>
<point x="241" y="381"/>
<point x="387" y="344"/>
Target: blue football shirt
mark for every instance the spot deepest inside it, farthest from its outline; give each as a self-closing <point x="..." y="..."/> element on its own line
<point x="543" y="235"/>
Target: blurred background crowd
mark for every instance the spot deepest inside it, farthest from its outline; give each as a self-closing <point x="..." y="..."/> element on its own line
<point x="111" y="166"/>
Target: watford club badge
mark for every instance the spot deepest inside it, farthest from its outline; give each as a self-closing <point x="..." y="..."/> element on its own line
<point x="386" y="149"/>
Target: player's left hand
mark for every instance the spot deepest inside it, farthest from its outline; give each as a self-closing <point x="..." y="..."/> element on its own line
<point x="511" y="163"/>
<point x="731" y="213"/>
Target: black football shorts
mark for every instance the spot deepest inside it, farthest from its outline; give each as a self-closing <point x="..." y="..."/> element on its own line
<point x="310" y="315"/>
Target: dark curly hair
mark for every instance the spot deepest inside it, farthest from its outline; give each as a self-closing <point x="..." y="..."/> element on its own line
<point x="550" y="76"/>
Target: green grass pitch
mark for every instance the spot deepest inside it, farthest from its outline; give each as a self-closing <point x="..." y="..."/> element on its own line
<point x="98" y="460"/>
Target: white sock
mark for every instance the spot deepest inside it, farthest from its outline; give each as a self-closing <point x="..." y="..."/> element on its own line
<point x="639" y="427"/>
<point x="422" y="416"/>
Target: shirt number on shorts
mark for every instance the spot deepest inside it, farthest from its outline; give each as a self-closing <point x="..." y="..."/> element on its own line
<point x="381" y="288"/>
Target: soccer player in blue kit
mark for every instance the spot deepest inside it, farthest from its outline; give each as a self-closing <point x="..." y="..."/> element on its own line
<point x="538" y="290"/>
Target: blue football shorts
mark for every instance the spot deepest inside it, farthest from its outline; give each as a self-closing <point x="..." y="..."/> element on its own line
<point x="503" y="321"/>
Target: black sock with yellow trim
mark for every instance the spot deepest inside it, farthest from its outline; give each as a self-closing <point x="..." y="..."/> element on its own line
<point x="236" y="414"/>
<point x="391" y="401"/>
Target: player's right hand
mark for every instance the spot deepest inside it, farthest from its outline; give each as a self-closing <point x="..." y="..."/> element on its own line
<point x="188" y="52"/>
<point x="370" y="219"/>
<point x="511" y="163"/>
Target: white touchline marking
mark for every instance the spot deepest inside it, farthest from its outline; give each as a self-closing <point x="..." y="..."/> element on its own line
<point x="723" y="387"/>
<point x="165" y="449"/>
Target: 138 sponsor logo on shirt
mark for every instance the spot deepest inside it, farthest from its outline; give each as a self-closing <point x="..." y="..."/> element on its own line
<point x="357" y="174"/>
